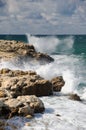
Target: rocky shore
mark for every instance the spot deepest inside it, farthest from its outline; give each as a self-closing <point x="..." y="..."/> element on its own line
<point x="19" y="51"/>
<point x="20" y="90"/>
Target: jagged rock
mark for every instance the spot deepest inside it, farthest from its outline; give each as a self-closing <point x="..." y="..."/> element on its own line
<point x="19" y="51"/>
<point x="74" y="97"/>
<point x="21" y="106"/>
<point x="18" y="83"/>
<point x="58" y="83"/>
<point x="34" y="102"/>
<point x="18" y="108"/>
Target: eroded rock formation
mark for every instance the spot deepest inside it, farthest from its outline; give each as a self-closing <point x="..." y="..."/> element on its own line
<point x="19" y="51"/>
<point x="20" y="106"/>
<point x="58" y="83"/>
<point x="18" y="83"/>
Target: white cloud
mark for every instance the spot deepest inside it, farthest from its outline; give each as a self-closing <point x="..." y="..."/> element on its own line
<point x="43" y="16"/>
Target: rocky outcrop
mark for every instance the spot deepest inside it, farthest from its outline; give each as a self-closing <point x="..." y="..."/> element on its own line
<point x="20" y="106"/>
<point x="17" y="83"/>
<point x="74" y="97"/>
<point x="18" y="90"/>
<point x="18" y="51"/>
<point x="58" y="83"/>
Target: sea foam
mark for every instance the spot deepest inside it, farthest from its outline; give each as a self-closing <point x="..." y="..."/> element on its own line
<point x="60" y="112"/>
<point x="51" y="44"/>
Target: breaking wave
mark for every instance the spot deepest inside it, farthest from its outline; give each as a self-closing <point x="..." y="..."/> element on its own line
<point x="52" y="44"/>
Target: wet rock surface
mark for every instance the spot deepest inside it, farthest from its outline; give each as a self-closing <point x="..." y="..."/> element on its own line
<point x="18" y="90"/>
<point x="19" y="51"/>
<point x="74" y="97"/>
<point x="18" y="83"/>
<point x="58" y="83"/>
<point x="20" y="106"/>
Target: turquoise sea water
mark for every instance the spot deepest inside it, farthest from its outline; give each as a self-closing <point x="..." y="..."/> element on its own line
<point x="79" y="45"/>
<point x="14" y="37"/>
<point x="69" y="53"/>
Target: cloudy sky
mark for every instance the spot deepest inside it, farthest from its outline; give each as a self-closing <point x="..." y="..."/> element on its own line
<point x="43" y="16"/>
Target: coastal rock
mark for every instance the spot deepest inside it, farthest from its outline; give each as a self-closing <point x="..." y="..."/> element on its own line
<point x="35" y="103"/>
<point x="17" y="83"/>
<point x="58" y="83"/>
<point x="74" y="97"/>
<point x="21" y="106"/>
<point x="2" y="93"/>
<point x="19" y="52"/>
<point x="7" y="125"/>
<point x="2" y="125"/>
<point x="4" y="110"/>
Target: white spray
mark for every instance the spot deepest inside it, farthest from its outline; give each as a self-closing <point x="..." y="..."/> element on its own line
<point x="50" y="44"/>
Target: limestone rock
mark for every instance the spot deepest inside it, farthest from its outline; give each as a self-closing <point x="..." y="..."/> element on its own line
<point x="21" y="106"/>
<point x="18" y="108"/>
<point x="18" y="83"/>
<point x="58" y="83"/>
<point x="34" y="102"/>
<point x="19" y="51"/>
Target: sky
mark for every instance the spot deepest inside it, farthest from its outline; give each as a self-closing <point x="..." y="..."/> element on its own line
<point x="43" y="17"/>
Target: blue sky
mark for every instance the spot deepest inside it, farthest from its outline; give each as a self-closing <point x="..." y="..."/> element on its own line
<point x="43" y="16"/>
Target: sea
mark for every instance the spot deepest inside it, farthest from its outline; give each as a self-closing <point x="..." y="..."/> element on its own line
<point x="69" y="53"/>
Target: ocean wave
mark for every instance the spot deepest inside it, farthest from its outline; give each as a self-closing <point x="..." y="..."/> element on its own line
<point x="52" y="44"/>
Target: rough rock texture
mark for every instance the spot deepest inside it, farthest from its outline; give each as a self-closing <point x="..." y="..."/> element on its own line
<point x="4" y="109"/>
<point x="58" y="83"/>
<point x="21" y="106"/>
<point x="19" y="51"/>
<point x="18" y="83"/>
<point x="5" y="126"/>
<point x="35" y="103"/>
<point x="2" y="125"/>
<point x="74" y="97"/>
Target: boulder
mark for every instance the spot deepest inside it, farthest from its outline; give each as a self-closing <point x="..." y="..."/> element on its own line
<point x="19" y="52"/>
<point x="35" y="103"/>
<point x="21" y="106"/>
<point x="74" y="97"/>
<point x="58" y="83"/>
<point x="17" y="83"/>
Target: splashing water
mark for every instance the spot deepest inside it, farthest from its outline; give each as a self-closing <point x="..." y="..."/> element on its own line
<point x="51" y="44"/>
<point x="72" y="67"/>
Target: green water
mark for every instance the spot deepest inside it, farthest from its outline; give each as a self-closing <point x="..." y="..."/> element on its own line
<point x="22" y="38"/>
<point x="79" y="46"/>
